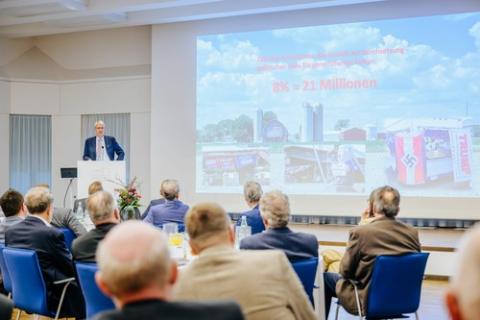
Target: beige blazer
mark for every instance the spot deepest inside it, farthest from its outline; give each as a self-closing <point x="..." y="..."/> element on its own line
<point x="263" y="282"/>
<point x="383" y="236"/>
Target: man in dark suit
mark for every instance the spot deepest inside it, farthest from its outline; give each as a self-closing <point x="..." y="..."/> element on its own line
<point x="252" y="191"/>
<point x="36" y="233"/>
<point x="172" y="210"/>
<point x="139" y="276"/>
<point x="383" y="236"/>
<point x="275" y="211"/>
<point x="102" y="147"/>
<point x="104" y="215"/>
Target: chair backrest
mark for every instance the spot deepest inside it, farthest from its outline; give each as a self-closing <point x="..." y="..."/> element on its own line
<point x="95" y="300"/>
<point x="7" y="283"/>
<point x="29" y="289"/>
<point x="69" y="237"/>
<point x="306" y="271"/>
<point x="396" y="284"/>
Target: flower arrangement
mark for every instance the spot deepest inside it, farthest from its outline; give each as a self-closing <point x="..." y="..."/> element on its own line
<point x="128" y="196"/>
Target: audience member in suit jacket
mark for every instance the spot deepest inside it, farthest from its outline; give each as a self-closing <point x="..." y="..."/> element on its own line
<point x="139" y="276"/>
<point x="383" y="236"/>
<point x="104" y="215"/>
<point x="172" y="210"/>
<point x="252" y="192"/>
<point x="14" y="210"/>
<point x="156" y="201"/>
<point x="65" y="218"/>
<point x="275" y="210"/>
<point x="36" y="233"/>
<point x="106" y="146"/>
<point x="262" y="282"/>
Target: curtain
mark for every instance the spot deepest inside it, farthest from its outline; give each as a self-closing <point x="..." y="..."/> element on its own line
<point x="116" y="125"/>
<point x="30" y="151"/>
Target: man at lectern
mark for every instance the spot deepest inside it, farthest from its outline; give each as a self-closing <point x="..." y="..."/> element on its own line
<point x="102" y="147"/>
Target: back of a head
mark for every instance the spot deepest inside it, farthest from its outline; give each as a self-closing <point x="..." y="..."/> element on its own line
<point x="132" y="257"/>
<point x="252" y="191"/>
<point x="206" y="223"/>
<point x="38" y="200"/>
<point x="95" y="186"/>
<point x="465" y="282"/>
<point x="386" y="201"/>
<point x="101" y="206"/>
<point x="11" y="202"/>
<point x="169" y="189"/>
<point x="275" y="208"/>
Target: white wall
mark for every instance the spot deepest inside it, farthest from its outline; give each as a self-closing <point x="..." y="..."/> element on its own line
<point x="174" y="92"/>
<point x="4" y="133"/>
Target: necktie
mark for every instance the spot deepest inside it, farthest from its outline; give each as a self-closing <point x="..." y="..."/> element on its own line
<point x="99" y="149"/>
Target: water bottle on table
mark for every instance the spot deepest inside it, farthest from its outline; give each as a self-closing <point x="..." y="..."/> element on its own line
<point x="242" y="231"/>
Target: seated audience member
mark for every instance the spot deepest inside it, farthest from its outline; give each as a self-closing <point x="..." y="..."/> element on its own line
<point x="93" y="187"/>
<point x="173" y="210"/>
<point x="139" y="276"/>
<point x="275" y="210"/>
<point x="463" y="295"/>
<point x="104" y="215"/>
<point x="331" y="258"/>
<point x="36" y="233"/>
<point x="14" y="210"/>
<point x="65" y="218"/>
<point x="252" y="191"/>
<point x="385" y="235"/>
<point x="155" y="202"/>
<point x="262" y="282"/>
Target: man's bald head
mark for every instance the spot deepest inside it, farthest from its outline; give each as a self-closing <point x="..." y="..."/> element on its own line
<point x="134" y="256"/>
<point x="169" y="189"/>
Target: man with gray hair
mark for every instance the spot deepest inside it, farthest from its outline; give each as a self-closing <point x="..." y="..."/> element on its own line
<point x="275" y="210"/>
<point x="263" y="283"/>
<point x="36" y="233"/>
<point x="252" y="192"/>
<point x="463" y="296"/>
<point x="102" y="147"/>
<point x="104" y="214"/>
<point x="172" y="210"/>
<point x="136" y="271"/>
<point x="384" y="235"/>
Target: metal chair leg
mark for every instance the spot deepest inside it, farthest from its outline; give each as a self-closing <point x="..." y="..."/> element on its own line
<point x="359" y="307"/>
<point x="61" y="300"/>
<point x="416" y="315"/>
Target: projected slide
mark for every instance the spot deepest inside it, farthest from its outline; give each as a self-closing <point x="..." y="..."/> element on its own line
<point x="342" y="109"/>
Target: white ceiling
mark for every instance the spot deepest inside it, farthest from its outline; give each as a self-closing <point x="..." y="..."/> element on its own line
<point x="24" y="18"/>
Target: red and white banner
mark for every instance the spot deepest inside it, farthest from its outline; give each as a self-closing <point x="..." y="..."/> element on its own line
<point x="410" y="158"/>
<point x="461" y="144"/>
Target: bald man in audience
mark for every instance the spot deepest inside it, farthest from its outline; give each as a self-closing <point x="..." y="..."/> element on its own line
<point x="262" y="282"/>
<point x="275" y="211"/>
<point x="139" y="276"/>
<point x="104" y="214"/>
<point x="463" y="296"/>
<point x="172" y="210"/>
